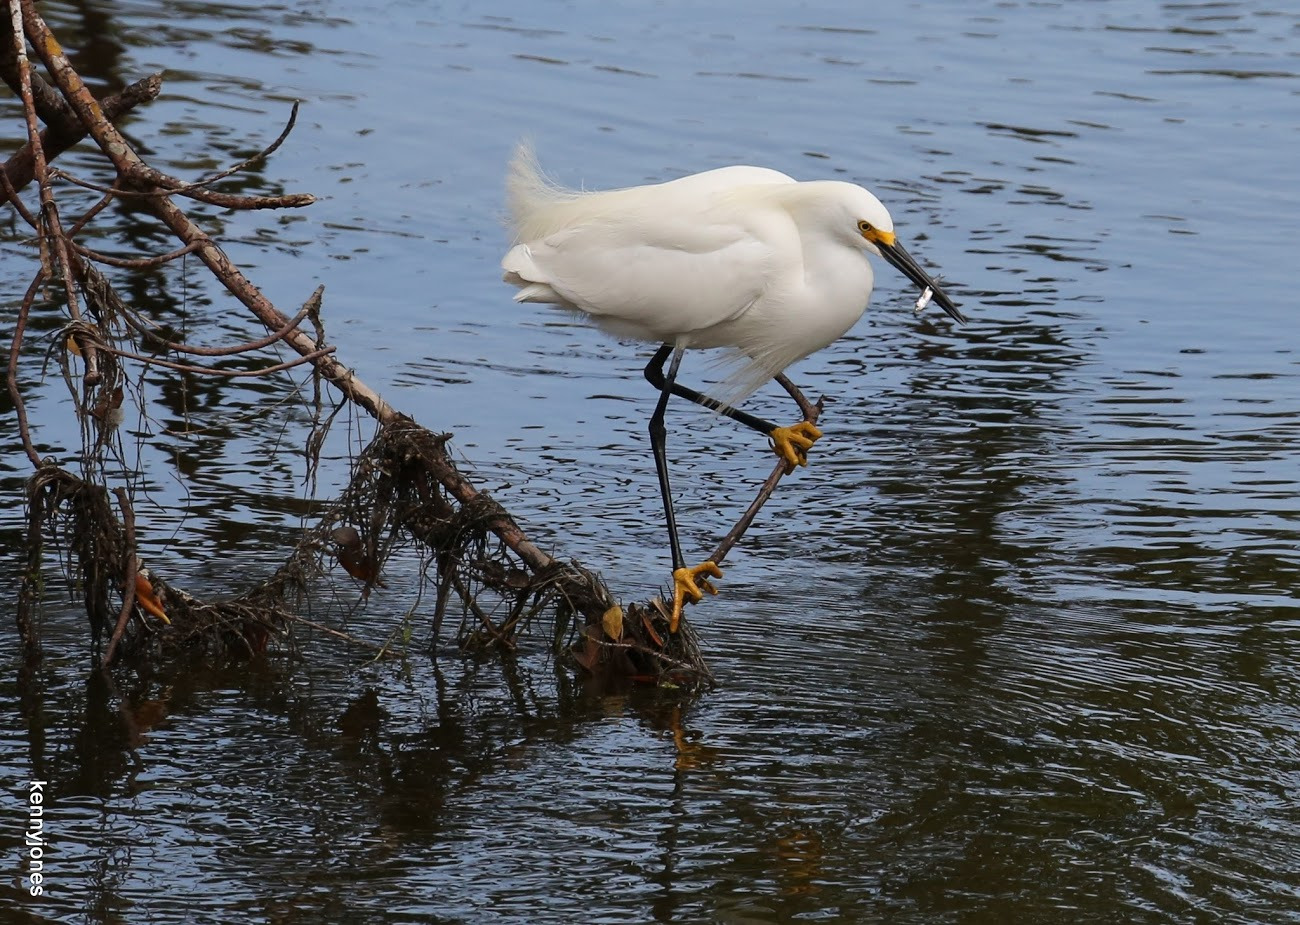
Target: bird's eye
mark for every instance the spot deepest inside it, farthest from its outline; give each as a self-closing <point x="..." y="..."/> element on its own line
<point x="864" y="226"/>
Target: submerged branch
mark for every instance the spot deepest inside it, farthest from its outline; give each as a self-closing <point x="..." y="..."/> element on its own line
<point x="131" y="562"/>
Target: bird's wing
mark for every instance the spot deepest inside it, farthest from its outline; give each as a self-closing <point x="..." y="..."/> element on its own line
<point x="654" y="277"/>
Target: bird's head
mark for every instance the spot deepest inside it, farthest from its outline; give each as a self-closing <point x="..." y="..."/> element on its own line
<point x="867" y="224"/>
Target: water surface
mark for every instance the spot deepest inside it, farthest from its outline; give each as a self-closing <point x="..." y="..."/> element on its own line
<point x="1020" y="645"/>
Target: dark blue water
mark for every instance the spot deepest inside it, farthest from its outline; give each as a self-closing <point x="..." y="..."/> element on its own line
<point x="1018" y="646"/>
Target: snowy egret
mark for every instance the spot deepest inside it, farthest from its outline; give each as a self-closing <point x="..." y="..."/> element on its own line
<point x="743" y="258"/>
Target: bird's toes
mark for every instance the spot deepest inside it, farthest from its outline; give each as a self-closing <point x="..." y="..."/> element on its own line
<point x="689" y="586"/>
<point x="793" y="443"/>
<point x="809" y="430"/>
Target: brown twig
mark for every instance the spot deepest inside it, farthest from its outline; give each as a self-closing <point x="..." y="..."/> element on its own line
<point x="213" y="371"/>
<point x="130" y="263"/>
<point x="11" y="377"/>
<point x="382" y="650"/>
<point x="100" y="206"/>
<point x="498" y="520"/>
<point x="811" y="413"/>
<point x="11" y="196"/>
<point x="132" y="567"/>
<point x="809" y="410"/>
<point x="49" y="208"/>
<point x="92" y="115"/>
<point x="49" y="106"/>
<point x="170" y="186"/>
<point x="483" y="618"/>
<point x="312" y="304"/>
<point x="259" y="156"/>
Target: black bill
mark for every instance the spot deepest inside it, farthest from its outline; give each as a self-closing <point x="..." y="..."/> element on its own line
<point x="904" y="263"/>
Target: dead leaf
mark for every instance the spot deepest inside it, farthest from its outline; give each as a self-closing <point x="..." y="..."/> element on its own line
<point x="612" y="621"/>
<point x="650" y="630"/>
<point x="589" y="657"/>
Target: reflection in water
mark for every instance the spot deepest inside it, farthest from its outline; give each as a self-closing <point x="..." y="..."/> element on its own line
<point x="1020" y="643"/>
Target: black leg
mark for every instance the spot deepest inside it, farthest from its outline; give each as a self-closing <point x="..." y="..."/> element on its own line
<point x="654" y="371"/>
<point x="689" y="584"/>
<point x="791" y="443"/>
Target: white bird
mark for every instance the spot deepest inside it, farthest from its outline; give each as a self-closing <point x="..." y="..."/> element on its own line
<point x="744" y="258"/>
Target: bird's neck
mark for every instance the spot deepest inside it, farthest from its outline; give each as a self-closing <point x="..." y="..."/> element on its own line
<point x="835" y="271"/>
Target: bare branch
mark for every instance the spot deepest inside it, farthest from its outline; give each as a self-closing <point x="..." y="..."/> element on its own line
<point x="49" y="208"/>
<point x="347" y="637"/>
<point x="259" y="156"/>
<point x="780" y="470"/>
<point x="213" y="371"/>
<point x="312" y="304"/>
<point x="90" y="213"/>
<point x="64" y="128"/>
<point x="168" y="185"/>
<point x="132" y="563"/>
<point x="20" y="407"/>
<point x="135" y="263"/>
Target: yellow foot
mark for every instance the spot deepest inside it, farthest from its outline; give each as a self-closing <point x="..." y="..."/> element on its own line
<point x="792" y="443"/>
<point x="689" y="584"/>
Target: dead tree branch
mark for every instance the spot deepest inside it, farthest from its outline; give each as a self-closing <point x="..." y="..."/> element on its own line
<point x="405" y="487"/>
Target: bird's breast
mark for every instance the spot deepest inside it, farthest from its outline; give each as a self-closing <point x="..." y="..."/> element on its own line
<point x="832" y="294"/>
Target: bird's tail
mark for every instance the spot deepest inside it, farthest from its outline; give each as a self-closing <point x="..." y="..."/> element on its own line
<point x="529" y="193"/>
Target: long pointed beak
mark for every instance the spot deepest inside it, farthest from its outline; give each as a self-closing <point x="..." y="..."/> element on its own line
<point x="904" y="263"/>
